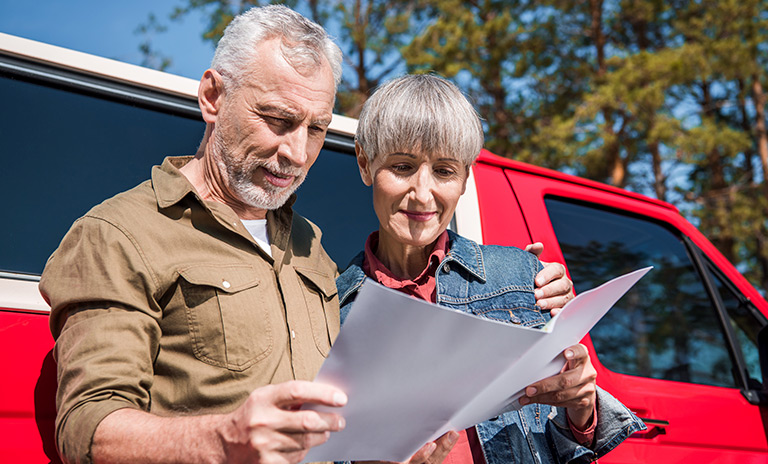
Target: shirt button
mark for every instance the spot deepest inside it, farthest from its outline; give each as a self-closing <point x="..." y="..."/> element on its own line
<point x="293" y="334"/>
<point x="225" y="284"/>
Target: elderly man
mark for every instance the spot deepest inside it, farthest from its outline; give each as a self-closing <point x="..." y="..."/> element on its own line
<point x="191" y="312"/>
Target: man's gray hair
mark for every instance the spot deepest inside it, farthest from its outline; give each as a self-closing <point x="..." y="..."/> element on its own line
<point x="303" y="42"/>
<point x="420" y="113"/>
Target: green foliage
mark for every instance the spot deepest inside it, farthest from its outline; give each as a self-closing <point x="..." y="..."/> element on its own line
<point x="665" y="97"/>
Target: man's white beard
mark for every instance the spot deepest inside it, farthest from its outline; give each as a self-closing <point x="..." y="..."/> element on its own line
<point x="240" y="178"/>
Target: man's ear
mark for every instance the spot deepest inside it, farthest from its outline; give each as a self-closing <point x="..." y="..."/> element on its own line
<point x="210" y="95"/>
<point x="364" y="165"/>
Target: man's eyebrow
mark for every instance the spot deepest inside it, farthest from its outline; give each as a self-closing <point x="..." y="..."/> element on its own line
<point x="279" y="111"/>
<point x="322" y="122"/>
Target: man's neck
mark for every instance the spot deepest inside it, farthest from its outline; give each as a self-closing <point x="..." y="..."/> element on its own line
<point x="203" y="173"/>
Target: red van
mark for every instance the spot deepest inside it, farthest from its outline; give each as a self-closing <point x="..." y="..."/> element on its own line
<point x="680" y="349"/>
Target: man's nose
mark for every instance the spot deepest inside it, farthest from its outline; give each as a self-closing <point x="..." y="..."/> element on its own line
<point x="293" y="147"/>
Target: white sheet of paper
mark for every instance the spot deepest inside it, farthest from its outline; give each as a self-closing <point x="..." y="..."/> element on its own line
<point x="413" y="370"/>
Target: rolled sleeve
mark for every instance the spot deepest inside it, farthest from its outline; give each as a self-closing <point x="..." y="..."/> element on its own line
<point x="615" y="422"/>
<point x="105" y="321"/>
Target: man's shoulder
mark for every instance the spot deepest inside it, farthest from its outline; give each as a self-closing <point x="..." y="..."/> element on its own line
<point x="125" y="205"/>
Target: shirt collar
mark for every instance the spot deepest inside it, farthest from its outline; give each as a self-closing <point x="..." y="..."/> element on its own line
<point x="172" y="186"/>
<point x="169" y="183"/>
<point x="374" y="268"/>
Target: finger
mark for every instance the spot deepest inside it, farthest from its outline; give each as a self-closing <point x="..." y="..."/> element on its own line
<point x="555" y="294"/>
<point x="306" y="421"/>
<point x="293" y="442"/>
<point x="444" y="445"/>
<point x="423" y="453"/>
<point x="569" y="388"/>
<point x="535" y="248"/>
<point x="298" y="392"/>
<point x="550" y="272"/>
<point x="576" y="355"/>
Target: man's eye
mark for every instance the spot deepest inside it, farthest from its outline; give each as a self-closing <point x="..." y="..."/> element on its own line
<point x="275" y="121"/>
<point x="445" y="172"/>
<point x="316" y="129"/>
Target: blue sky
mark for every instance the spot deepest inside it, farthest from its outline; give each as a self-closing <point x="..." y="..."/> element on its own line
<point x="108" y="28"/>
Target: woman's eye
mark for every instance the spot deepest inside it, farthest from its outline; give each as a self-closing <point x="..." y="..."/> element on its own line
<point x="401" y="167"/>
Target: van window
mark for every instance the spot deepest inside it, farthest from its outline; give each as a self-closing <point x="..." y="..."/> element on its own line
<point x="746" y="322"/>
<point x="66" y="149"/>
<point x="666" y="327"/>
<point x="334" y="198"/>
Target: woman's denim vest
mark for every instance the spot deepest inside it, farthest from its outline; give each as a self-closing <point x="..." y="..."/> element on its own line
<point x="497" y="283"/>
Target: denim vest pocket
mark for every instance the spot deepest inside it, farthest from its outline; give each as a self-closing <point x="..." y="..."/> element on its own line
<point x="521" y="315"/>
<point x="511" y="305"/>
<point x="322" y="303"/>
<point x="227" y="325"/>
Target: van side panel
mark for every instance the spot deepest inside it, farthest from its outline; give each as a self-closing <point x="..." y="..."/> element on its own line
<point x="688" y="422"/>
<point x="502" y="220"/>
<point x="28" y="392"/>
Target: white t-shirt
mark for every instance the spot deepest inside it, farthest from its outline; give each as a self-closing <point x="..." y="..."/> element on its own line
<point x="258" y="230"/>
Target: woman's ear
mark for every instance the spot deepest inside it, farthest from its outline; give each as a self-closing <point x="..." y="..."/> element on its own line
<point x="364" y="165"/>
<point x="210" y="95"/>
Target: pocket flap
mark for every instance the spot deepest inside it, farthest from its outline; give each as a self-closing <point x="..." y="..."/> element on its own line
<point x="229" y="278"/>
<point x="325" y="283"/>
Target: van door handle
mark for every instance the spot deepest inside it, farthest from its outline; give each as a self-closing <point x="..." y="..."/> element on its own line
<point x="656" y="427"/>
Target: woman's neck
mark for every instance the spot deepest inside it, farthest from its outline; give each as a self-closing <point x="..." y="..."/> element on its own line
<point x="403" y="260"/>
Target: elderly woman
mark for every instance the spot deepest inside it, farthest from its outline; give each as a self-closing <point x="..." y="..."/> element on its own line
<point x="416" y="139"/>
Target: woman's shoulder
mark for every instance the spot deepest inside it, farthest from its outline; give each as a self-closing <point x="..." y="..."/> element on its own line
<point x="491" y="257"/>
<point x="351" y="278"/>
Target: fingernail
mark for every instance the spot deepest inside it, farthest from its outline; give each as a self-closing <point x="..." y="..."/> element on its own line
<point x="538" y="293"/>
<point x="568" y="354"/>
<point x="339" y="399"/>
<point x="342" y="423"/>
<point x="523" y="400"/>
<point x="453" y="437"/>
<point x="530" y="391"/>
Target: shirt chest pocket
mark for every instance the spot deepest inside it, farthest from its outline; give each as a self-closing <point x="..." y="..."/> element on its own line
<point x="227" y="315"/>
<point x="322" y="303"/>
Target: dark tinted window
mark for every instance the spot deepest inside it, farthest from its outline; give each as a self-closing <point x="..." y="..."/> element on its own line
<point x="334" y="198"/>
<point x="666" y="326"/>
<point x="65" y="151"/>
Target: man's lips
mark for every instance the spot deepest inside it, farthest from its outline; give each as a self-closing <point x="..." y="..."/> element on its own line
<point x="419" y="216"/>
<point x="278" y="179"/>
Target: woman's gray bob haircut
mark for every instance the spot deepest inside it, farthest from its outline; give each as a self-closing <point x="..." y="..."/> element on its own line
<point x="420" y="113"/>
<point x="303" y="42"/>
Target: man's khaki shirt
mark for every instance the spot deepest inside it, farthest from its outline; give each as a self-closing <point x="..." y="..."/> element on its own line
<point x="164" y="302"/>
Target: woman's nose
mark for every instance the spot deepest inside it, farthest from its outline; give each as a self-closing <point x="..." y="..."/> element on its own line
<point x="422" y="188"/>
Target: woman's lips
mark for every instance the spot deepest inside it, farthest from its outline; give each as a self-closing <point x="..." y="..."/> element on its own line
<point x="278" y="179"/>
<point x="419" y="215"/>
